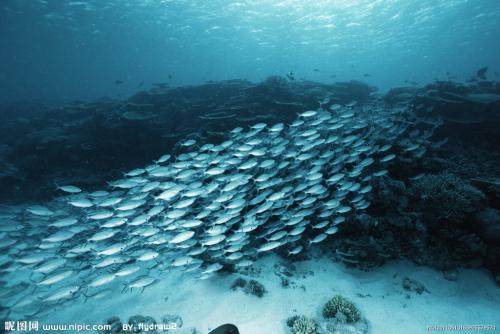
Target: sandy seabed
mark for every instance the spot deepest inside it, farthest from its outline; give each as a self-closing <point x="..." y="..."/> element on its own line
<point x="471" y="299"/>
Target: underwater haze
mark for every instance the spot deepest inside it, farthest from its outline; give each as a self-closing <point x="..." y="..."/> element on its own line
<point x="253" y="166"/>
<point x="57" y="49"/>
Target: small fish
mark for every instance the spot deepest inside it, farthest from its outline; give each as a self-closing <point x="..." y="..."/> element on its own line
<point x="81" y="203"/>
<point x="319" y="238"/>
<point x="296" y="250"/>
<point x="212" y="268"/>
<point x="126" y="271"/>
<point x="148" y="256"/>
<point x="181" y="237"/>
<point x="244" y="264"/>
<point x="141" y="282"/>
<point x="65" y="222"/>
<point x="388" y="158"/>
<point x="102" y="280"/>
<point x="204" y="206"/>
<point x="56" y="278"/>
<point x="213" y="240"/>
<point x="39" y="210"/>
<point x="103" y="235"/>
<point x="189" y="142"/>
<point x="60" y="236"/>
<point x="269" y="246"/>
<point x="62" y="294"/>
<point x="183" y="261"/>
<point x="331" y="230"/>
<point x="70" y="189"/>
<point x="308" y="113"/>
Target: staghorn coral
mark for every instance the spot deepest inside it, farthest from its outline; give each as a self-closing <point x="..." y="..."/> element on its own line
<point x="447" y="197"/>
<point x="339" y="304"/>
<point x="304" y="325"/>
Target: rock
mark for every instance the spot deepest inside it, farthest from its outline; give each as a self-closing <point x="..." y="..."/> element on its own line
<point x="487" y="222"/>
<point x="399" y="94"/>
<point x="172" y="319"/>
<point x="140" y="322"/>
<point x="493" y="262"/>
<point x="193" y="331"/>
<point x="335" y="327"/>
<point x="284" y="271"/>
<point x="116" y="326"/>
<point x="290" y="320"/>
<point x="411" y="285"/>
<point x="251" y="287"/>
<point x="238" y="283"/>
<point x="255" y="288"/>
<point x="450" y="275"/>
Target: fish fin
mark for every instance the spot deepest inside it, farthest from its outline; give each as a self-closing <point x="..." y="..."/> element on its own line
<point x="34" y="289"/>
<point x="31" y="279"/>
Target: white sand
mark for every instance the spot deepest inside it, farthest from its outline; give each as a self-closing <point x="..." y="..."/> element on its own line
<point x="473" y="299"/>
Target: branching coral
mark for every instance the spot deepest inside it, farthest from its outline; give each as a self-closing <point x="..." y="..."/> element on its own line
<point x="339" y="304"/>
<point x="304" y="325"/>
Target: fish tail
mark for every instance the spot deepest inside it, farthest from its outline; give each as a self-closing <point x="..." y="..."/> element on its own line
<point x="31" y="277"/>
<point x="34" y="289"/>
<point x="85" y="294"/>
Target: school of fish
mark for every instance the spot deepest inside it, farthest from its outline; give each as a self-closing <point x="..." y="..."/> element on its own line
<point x="266" y="188"/>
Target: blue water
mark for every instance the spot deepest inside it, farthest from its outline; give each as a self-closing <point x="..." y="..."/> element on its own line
<point x="55" y="49"/>
<point x="405" y="262"/>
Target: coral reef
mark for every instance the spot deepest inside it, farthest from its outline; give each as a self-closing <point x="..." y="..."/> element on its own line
<point x="446" y="197"/>
<point x="338" y="304"/>
<point x="438" y="220"/>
